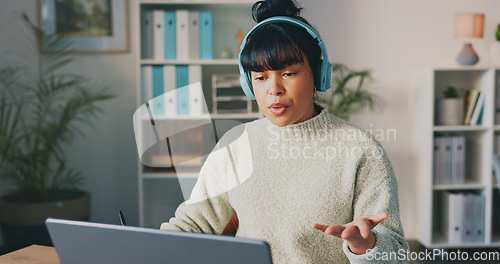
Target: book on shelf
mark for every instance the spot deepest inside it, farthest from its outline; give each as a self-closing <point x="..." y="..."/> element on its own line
<point x="468" y="202"/>
<point x="455" y="217"/>
<point x="170" y="35"/>
<point x="206" y="35"/>
<point x="158" y="37"/>
<point x="496" y="167"/>
<point x="146" y="83"/>
<point x="147" y="34"/>
<point x="160" y="85"/>
<point x="182" y="34"/>
<point x="158" y="34"/>
<point x="177" y="34"/>
<point x="478" y="210"/>
<point x="463" y="217"/>
<point x="169" y="87"/>
<point x="194" y="35"/>
<point x="158" y="91"/>
<point x="458" y="159"/>
<point x="196" y="98"/>
<point x="476" y="118"/>
<point x="471" y="99"/>
<point x="182" y="77"/>
<point x="437" y="160"/>
<point x="449" y="159"/>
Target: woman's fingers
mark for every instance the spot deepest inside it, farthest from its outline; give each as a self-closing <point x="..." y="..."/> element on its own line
<point x="364" y="229"/>
<point x="330" y="230"/>
<point x="335" y="230"/>
<point x="320" y="227"/>
<point x="350" y="231"/>
<point x="377" y="218"/>
<point x="359" y="227"/>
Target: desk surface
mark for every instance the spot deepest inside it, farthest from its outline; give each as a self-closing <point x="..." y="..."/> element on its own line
<point x="33" y="254"/>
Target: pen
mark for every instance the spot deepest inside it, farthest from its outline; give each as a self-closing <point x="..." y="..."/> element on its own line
<point x="122" y="218"/>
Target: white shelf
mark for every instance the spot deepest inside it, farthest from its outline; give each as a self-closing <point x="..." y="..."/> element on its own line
<point x="168" y="175"/>
<point x="472" y="186"/>
<point x="231" y="98"/>
<point x="208" y="117"/>
<point x="496" y="127"/>
<point x="191" y="62"/>
<point x="454" y="68"/>
<point x="198" y="2"/>
<point x="237" y="116"/>
<point x="459" y="128"/>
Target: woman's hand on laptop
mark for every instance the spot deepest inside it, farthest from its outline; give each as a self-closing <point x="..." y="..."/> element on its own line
<point x="357" y="233"/>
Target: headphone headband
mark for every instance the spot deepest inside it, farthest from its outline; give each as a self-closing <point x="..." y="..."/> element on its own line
<point x="322" y="78"/>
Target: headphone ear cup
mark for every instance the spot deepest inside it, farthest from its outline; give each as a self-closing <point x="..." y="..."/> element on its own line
<point x="318" y="76"/>
<point x="323" y="76"/>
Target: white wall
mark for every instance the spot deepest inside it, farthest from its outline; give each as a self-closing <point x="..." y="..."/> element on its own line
<point x="388" y="36"/>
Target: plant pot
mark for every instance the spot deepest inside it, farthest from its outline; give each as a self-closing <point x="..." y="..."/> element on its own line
<point x="23" y="223"/>
<point x="449" y="111"/>
<point x="495" y="53"/>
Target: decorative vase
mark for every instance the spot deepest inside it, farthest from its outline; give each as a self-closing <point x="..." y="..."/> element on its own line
<point x="495" y="53"/>
<point x="449" y="111"/>
<point x="23" y="223"/>
<point x="467" y="56"/>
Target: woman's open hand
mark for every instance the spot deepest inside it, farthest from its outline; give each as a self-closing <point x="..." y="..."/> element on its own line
<point x="357" y="233"/>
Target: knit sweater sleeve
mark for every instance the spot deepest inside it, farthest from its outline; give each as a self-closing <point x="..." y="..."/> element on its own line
<point x="376" y="190"/>
<point x="208" y="210"/>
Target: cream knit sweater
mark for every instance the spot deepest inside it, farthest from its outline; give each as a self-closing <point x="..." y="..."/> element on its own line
<point x="282" y="180"/>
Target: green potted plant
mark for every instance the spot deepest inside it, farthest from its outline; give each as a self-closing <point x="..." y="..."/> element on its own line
<point x="42" y="110"/>
<point x="450" y="109"/>
<point x="495" y="48"/>
<point x="343" y="99"/>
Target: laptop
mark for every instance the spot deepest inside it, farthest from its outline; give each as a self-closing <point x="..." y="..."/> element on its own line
<point x="85" y="242"/>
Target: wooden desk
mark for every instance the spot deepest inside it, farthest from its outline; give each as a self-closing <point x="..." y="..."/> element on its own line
<point x="33" y="254"/>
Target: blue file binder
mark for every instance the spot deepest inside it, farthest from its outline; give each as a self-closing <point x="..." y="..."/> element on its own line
<point x="170" y="36"/>
<point x="182" y="74"/>
<point x="147" y="32"/>
<point x="206" y="35"/>
<point x="158" y="107"/>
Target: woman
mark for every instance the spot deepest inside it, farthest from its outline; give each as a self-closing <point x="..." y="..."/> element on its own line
<point x="316" y="188"/>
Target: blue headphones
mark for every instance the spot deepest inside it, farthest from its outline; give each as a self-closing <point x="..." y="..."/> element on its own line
<point x="322" y="77"/>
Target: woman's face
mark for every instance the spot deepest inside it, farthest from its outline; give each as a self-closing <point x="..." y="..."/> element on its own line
<point x="285" y="96"/>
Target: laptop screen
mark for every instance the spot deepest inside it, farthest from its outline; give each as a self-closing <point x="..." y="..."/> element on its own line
<point x="85" y="242"/>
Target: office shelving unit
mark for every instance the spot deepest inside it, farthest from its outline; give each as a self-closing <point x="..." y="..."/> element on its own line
<point x="428" y="85"/>
<point x="158" y="188"/>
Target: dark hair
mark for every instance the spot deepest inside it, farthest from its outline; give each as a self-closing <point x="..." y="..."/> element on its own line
<point x="278" y="45"/>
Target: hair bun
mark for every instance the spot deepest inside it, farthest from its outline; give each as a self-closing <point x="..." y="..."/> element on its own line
<point x="270" y="8"/>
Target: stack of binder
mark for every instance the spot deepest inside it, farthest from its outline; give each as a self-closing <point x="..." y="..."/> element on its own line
<point x="173" y="90"/>
<point x="463" y="217"/>
<point x="177" y="35"/>
<point x="449" y="159"/>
